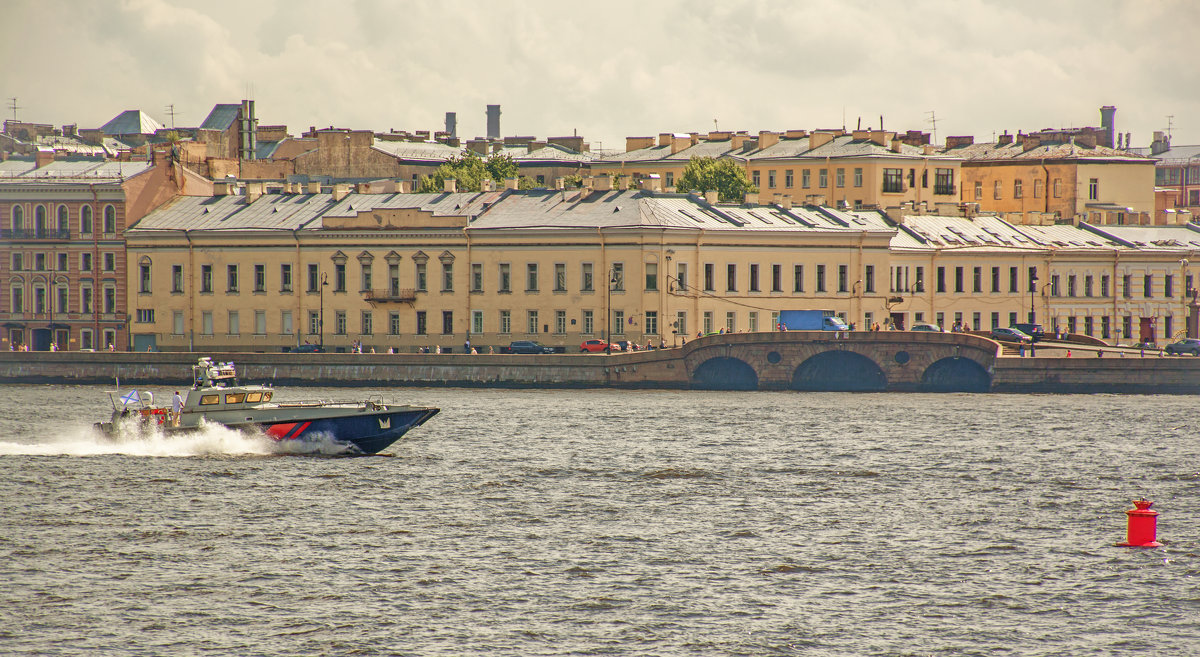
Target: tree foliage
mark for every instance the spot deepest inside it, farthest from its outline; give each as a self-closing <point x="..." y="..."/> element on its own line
<point x="703" y="174"/>
<point x="469" y="171"/>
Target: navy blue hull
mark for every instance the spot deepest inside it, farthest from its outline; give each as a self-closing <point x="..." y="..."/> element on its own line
<point x="362" y="433"/>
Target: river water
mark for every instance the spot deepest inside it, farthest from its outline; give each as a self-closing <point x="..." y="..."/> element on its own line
<point x="611" y="523"/>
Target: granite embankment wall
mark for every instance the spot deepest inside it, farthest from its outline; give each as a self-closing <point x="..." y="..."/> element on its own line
<point x="654" y="369"/>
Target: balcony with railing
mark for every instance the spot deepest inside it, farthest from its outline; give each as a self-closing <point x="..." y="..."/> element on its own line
<point x="35" y="233"/>
<point x="391" y="295"/>
<point x="944" y="190"/>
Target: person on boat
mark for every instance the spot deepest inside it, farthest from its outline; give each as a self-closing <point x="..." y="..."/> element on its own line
<point x="176" y="409"/>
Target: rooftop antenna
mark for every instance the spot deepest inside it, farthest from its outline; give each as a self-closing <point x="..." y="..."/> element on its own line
<point x="715" y="128"/>
<point x="12" y="105"/>
<point x="933" y="122"/>
<point x="171" y="113"/>
<point x="1170" y="122"/>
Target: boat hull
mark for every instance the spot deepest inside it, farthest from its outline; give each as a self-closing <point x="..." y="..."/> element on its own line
<point x="366" y="433"/>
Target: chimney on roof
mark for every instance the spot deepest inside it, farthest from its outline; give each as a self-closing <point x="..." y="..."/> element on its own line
<point x="449" y="185"/>
<point x="786" y="202"/>
<point x="750" y="198"/>
<point x="511" y="183"/>
<point x="221" y="188"/>
<point x="1161" y="143"/>
<point x="340" y="191"/>
<point x="623" y="182"/>
<point x="314" y="187"/>
<point x="451" y="124"/>
<point x="955" y="142"/>
<point x="896" y="145"/>
<point x="493" y="121"/>
<point x="603" y="183"/>
<point x="711" y="197"/>
<point x="1108" y="118"/>
<point x="736" y="141"/>
<point x="254" y="190"/>
<point x="819" y="138"/>
<point x="486" y="185"/>
<point x="638" y="143"/>
<point x="814" y="199"/>
<point x="1004" y="139"/>
<point x="560" y="182"/>
<point x="767" y="139"/>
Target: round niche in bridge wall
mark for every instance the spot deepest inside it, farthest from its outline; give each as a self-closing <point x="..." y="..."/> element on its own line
<point x="774" y="357"/>
<point x="839" y="371"/>
<point x="902" y="357"/>
<point x="955" y="375"/>
<point x="725" y="374"/>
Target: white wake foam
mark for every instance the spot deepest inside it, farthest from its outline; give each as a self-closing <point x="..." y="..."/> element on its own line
<point x="210" y="439"/>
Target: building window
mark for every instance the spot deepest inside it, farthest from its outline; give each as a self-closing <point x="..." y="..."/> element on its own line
<point x="206" y="323"/>
<point x="730" y="322"/>
<point x="869" y="278"/>
<point x="314" y="322"/>
<point x="366" y="276"/>
<point x="943" y="181"/>
<point x="505" y="278"/>
<point x="805" y="179"/>
<point x="18" y="300"/>
<point x="797" y="278"/>
<point x="858" y="177"/>
<point x="260" y="322"/>
<point x="339" y="277"/>
<point x="771" y="179"/>
<point x="367" y="323"/>
<point x="560" y="321"/>
<point x="177" y="322"/>
<point x="822" y="178"/>
<point x="1013" y="279"/>
<point x="843" y="278"/>
<point x="339" y="322"/>
<point x="1054" y="291"/>
<point x="777" y="278"/>
<point x="393" y="323"/>
<point x="206" y="279"/>
<point x="532" y="325"/>
<point x="708" y="321"/>
<point x="920" y="284"/>
<point x="978" y="190"/>
<point x="755" y="178"/>
<point x="285" y="278"/>
<point x="144" y="278"/>
<point x="1037" y="188"/>
<point x="506" y="321"/>
<point x="1127" y="286"/>
<point x="447" y="277"/>
<point x="422" y="276"/>
<point x="1093" y="189"/>
<point x="1071" y="285"/>
<point x="709" y="278"/>
<point x="1087" y="286"/>
<point x="62" y="302"/>
<point x="394" y="279"/>
<point x="234" y="327"/>
<point x="995" y="320"/>
<point x="958" y="279"/>
<point x="531" y="277"/>
<point x="1148" y="286"/>
<point x="788" y="178"/>
<point x="651" y="276"/>
<point x="820" y="278"/>
<point x="285" y="322"/>
<point x="893" y="181"/>
<point x="231" y="272"/>
<point x="589" y="322"/>
<point x="754" y="278"/>
<point x="110" y="219"/>
<point x="476" y="277"/>
<point x="260" y="278"/>
<point x="840" y="177"/>
<point x="1168" y="288"/>
<point x="586" y="283"/>
<point x="314" y="277"/>
<point x="681" y="276"/>
<point x="477" y="321"/>
<point x="447" y="322"/>
<point x="995" y="279"/>
<point x="996" y="190"/>
<point x="618" y="322"/>
<point x="110" y="262"/>
<point x="731" y="278"/>
<point x="1018" y="192"/>
<point x="941" y="279"/>
<point x="1104" y="286"/>
<point x="1058" y="188"/>
<point x="669" y="179"/>
<point x="85" y="220"/>
<point x="651" y="322"/>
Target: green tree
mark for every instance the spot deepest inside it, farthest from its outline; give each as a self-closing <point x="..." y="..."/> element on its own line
<point x="703" y="174"/>
<point x="469" y="171"/>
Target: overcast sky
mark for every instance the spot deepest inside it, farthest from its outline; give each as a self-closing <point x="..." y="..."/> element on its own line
<point x="614" y="68"/>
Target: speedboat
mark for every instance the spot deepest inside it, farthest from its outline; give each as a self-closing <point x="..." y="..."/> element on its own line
<point x="360" y="427"/>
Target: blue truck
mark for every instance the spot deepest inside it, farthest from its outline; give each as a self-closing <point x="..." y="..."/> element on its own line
<point x="810" y="320"/>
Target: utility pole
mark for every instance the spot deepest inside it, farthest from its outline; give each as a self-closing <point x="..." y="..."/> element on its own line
<point x="171" y="113"/>
<point x="12" y="105"/>
<point x="933" y="122"/>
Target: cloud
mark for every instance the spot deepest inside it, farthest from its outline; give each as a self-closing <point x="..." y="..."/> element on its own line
<point x="612" y="69"/>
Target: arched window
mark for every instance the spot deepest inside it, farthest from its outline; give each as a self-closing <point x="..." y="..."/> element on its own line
<point x="18" y="218"/>
<point x="63" y="220"/>
<point x="39" y="221"/>
<point x="110" y="219"/>
<point x="85" y="220"/>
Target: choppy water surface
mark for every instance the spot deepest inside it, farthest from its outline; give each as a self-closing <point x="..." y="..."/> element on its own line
<point x="611" y="522"/>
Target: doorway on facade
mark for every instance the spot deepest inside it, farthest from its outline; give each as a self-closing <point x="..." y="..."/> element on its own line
<point x="16" y="338"/>
<point x="61" y="336"/>
<point x="898" y="321"/>
<point x="1146" y="329"/>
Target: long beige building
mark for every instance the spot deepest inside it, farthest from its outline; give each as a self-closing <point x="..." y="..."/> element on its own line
<point x="270" y="271"/>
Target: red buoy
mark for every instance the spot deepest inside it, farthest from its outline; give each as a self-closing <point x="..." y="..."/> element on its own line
<point x="1143" y="526"/>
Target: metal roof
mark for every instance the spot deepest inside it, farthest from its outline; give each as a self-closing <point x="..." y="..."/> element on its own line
<point x="269" y="212"/>
<point x="82" y="170"/>
<point x="417" y="150"/>
<point x="221" y="117"/>
<point x="131" y="122"/>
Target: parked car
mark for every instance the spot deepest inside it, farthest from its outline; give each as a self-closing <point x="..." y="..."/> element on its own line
<point x="621" y="345"/>
<point x="1184" y="346"/>
<point x="309" y="349"/>
<point x="592" y="346"/>
<point x="1034" y="331"/>
<point x="528" y="347"/>
<point x="926" y="327"/>
<point x="1011" y="335"/>
<point x="1143" y="345"/>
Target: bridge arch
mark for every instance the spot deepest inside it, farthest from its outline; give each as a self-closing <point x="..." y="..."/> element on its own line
<point x="839" y="371"/>
<point x="725" y="374"/>
<point x="955" y="374"/>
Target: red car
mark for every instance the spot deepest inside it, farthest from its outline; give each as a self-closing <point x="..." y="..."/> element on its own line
<point x="593" y="346"/>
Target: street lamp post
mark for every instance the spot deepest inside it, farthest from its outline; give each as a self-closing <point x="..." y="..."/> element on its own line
<point x="1033" y="279"/>
<point x="321" y="315"/>
<point x="607" y="331"/>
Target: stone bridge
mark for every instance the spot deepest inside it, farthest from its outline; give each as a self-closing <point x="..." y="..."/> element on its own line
<point x="827" y="361"/>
